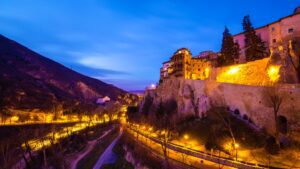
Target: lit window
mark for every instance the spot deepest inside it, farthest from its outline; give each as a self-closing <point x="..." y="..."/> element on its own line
<point x="291" y="30"/>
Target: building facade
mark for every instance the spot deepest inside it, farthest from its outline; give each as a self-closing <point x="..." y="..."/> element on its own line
<point x="182" y="64"/>
<point x="273" y="34"/>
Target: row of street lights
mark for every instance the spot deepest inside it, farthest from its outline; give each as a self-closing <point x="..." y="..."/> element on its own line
<point x="149" y="130"/>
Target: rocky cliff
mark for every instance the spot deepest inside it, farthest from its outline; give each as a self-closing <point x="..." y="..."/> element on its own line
<point x="195" y="97"/>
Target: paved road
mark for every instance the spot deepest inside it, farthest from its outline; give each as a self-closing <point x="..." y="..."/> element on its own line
<point x="107" y="154"/>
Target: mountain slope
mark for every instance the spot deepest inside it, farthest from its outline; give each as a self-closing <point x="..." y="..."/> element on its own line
<point x="30" y="81"/>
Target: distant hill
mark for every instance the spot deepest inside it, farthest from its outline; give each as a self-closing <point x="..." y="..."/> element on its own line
<point x="30" y="81"/>
<point x="137" y="91"/>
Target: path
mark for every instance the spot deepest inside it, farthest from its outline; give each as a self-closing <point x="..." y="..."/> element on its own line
<point x="107" y="154"/>
<point x="89" y="148"/>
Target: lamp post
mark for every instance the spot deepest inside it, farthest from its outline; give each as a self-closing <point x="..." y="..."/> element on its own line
<point x="185" y="138"/>
<point x="236" y="146"/>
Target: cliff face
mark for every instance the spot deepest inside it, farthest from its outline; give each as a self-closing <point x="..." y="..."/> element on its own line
<point x="197" y="96"/>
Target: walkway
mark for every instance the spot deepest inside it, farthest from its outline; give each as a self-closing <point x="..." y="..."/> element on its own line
<point x="89" y="148"/>
<point x="107" y="154"/>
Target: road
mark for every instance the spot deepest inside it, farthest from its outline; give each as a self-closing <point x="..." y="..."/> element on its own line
<point x="107" y="154"/>
<point x="89" y="148"/>
<point x="193" y="156"/>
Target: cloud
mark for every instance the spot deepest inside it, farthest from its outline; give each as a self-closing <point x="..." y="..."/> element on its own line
<point x="97" y="72"/>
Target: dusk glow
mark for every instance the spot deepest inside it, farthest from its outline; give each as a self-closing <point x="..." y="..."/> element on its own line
<point x="146" y="84"/>
<point x="125" y="42"/>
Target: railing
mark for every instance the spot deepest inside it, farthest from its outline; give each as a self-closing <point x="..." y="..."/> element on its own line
<point x="206" y="156"/>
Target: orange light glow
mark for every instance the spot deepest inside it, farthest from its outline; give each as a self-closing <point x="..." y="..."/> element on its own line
<point x="273" y="73"/>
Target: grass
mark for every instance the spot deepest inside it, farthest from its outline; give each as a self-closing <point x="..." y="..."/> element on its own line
<point x="92" y="157"/>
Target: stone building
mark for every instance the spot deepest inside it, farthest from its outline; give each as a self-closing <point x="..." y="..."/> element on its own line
<point x="181" y="61"/>
<point x="273" y="34"/>
<point x="166" y="69"/>
<point x="182" y="64"/>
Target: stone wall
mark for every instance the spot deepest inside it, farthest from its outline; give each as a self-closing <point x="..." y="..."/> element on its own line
<point x="249" y="100"/>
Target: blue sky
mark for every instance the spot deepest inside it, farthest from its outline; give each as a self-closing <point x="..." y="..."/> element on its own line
<point x="125" y="42"/>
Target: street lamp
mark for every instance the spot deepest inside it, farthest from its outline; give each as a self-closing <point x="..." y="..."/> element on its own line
<point x="186" y="136"/>
<point x="236" y="146"/>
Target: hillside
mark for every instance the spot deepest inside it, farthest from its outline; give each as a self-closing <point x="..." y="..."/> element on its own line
<point x="29" y="81"/>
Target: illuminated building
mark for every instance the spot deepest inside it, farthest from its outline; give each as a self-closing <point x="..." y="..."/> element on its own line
<point x="273" y="34"/>
<point x="182" y="64"/>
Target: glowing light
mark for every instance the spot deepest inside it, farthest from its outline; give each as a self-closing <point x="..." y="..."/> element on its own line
<point x="236" y="145"/>
<point x="186" y="136"/>
<point x="14" y="118"/>
<point x="273" y="73"/>
<point x="233" y="70"/>
<point x="206" y="72"/>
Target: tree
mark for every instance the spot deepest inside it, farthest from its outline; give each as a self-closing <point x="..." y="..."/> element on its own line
<point x="294" y="54"/>
<point x="273" y="98"/>
<point x="164" y="121"/>
<point x="255" y="47"/>
<point x="147" y="105"/>
<point x="225" y="118"/>
<point x="229" y="50"/>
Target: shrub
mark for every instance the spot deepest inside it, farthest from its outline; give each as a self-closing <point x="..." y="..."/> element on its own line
<point x="210" y="143"/>
<point x="250" y="121"/>
<point x="271" y="146"/>
<point x="245" y="117"/>
<point x="236" y="112"/>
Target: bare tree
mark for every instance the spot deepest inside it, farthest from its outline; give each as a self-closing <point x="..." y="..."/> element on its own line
<point x="225" y="118"/>
<point x="273" y="98"/>
<point x="6" y="154"/>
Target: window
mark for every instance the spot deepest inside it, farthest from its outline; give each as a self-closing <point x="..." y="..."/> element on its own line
<point x="259" y="35"/>
<point x="273" y="29"/>
<point x="291" y="30"/>
<point x="236" y="41"/>
<point x="274" y="40"/>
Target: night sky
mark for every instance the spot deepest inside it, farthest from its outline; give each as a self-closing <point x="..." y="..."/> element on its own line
<point x="125" y="42"/>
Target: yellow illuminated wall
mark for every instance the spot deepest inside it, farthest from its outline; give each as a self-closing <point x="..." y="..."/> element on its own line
<point x="258" y="73"/>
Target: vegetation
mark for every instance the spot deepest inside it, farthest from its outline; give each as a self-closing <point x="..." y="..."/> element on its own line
<point x="255" y="47"/>
<point x="50" y="156"/>
<point x="219" y="127"/>
<point x="273" y="98"/>
<point x="120" y="161"/>
<point x="229" y="51"/>
<point x="138" y="152"/>
<point x="294" y="53"/>
<point x="91" y="158"/>
<point x="147" y="105"/>
<point x="164" y="112"/>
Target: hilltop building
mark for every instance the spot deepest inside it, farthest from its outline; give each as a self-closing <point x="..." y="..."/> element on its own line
<point x="276" y="36"/>
<point x="182" y="64"/>
<point x="273" y="34"/>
